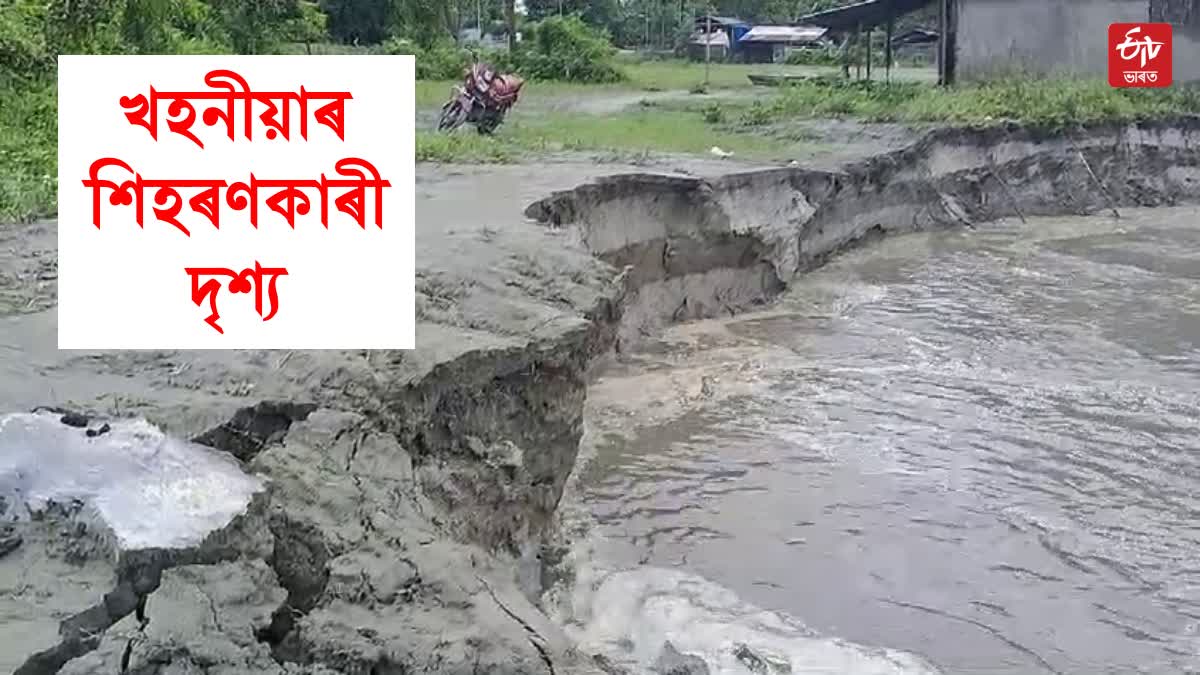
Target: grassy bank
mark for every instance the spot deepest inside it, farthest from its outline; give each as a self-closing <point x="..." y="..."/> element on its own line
<point x="645" y="130"/>
<point x="755" y="127"/>
<point x="642" y="76"/>
<point x="1053" y="104"/>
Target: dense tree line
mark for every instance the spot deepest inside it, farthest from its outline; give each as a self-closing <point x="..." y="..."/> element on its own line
<point x="32" y="32"/>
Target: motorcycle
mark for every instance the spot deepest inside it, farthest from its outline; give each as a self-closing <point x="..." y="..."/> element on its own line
<point x="483" y="100"/>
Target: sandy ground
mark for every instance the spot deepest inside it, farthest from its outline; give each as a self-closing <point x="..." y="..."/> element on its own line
<point x="499" y="299"/>
<point x="463" y="210"/>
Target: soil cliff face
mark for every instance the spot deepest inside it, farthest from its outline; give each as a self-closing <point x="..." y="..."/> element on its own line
<point x="399" y="486"/>
<point x="697" y="247"/>
<point x="403" y="486"/>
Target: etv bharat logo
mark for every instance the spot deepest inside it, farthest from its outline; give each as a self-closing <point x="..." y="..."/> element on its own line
<point x="1139" y="54"/>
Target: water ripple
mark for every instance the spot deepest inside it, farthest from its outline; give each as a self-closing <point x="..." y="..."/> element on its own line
<point x="983" y="448"/>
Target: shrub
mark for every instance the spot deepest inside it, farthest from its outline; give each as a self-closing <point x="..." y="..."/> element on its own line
<point x="565" y="48"/>
<point x="757" y="115"/>
<point x="559" y="48"/>
<point x="813" y="57"/>
<point x="441" y="61"/>
<point x="23" y="50"/>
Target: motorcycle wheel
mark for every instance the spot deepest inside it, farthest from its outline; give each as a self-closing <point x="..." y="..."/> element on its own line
<point x="488" y="125"/>
<point x="453" y="115"/>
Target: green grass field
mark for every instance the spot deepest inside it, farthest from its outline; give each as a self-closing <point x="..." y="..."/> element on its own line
<point x="28" y="152"/>
<point x="659" y="76"/>
<point x="648" y="130"/>
<point x="754" y="126"/>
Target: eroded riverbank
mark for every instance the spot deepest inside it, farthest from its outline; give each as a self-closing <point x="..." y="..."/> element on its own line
<point x="403" y="485"/>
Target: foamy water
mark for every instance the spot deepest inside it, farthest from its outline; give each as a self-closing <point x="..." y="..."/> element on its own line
<point x="630" y="615"/>
<point x="150" y="489"/>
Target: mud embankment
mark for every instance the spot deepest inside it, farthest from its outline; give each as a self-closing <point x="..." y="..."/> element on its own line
<point x="697" y="248"/>
<point x="404" y="488"/>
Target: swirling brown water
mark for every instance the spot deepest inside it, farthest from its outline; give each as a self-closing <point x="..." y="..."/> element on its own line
<point x="979" y="446"/>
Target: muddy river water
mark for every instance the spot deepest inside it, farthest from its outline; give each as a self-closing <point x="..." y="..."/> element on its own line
<point x="978" y="448"/>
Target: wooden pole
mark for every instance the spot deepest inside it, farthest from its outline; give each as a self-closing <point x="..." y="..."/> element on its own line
<point x="869" y="53"/>
<point x="891" y="25"/>
<point x="857" y="62"/>
<point x="951" y="42"/>
<point x="941" y="51"/>
<point x="662" y="23"/>
<point x="510" y="16"/>
<point x="707" y="47"/>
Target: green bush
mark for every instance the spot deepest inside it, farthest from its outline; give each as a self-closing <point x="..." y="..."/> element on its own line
<point x="567" y="49"/>
<point x="441" y="61"/>
<point x="813" y="57"/>
<point x="757" y="114"/>
<point x="713" y="113"/>
<point x="559" y="48"/>
<point x="23" y="50"/>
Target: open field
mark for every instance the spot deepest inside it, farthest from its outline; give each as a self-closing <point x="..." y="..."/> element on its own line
<point x="664" y="77"/>
<point x="806" y="121"/>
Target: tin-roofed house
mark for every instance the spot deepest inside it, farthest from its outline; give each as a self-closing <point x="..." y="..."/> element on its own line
<point x="731" y="27"/>
<point x="771" y="44"/>
<point x="713" y="46"/>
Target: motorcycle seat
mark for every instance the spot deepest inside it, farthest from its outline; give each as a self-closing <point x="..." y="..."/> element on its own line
<point x="506" y="87"/>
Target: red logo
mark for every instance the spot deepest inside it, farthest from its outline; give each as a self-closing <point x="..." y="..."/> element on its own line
<point x="1139" y="54"/>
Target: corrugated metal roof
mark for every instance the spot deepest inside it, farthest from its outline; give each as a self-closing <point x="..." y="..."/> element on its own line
<point x="718" y="38"/>
<point x="784" y="34"/>
<point x="868" y="14"/>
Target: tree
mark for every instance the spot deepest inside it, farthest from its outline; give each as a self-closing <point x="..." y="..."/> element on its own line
<point x="23" y="50"/>
<point x="81" y="26"/>
<point x="425" y="22"/>
<point x="536" y="10"/>
<point x="369" y="22"/>
<point x="260" y="26"/>
<point x="510" y="18"/>
<point x="308" y="26"/>
<point x="358" y="21"/>
<point x="604" y="14"/>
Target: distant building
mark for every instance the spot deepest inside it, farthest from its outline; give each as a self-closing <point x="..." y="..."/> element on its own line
<point x="995" y="37"/>
<point x="864" y="17"/>
<point x="489" y="40"/>
<point x="733" y="29"/>
<point x="713" y="46"/>
<point x="771" y="44"/>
